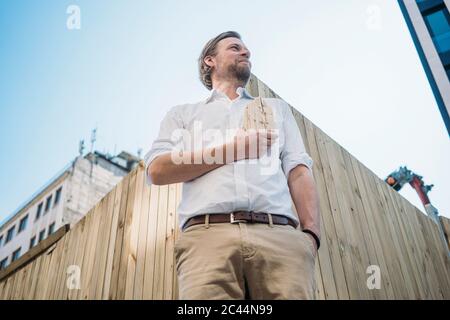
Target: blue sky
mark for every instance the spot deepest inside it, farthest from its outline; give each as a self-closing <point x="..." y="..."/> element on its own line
<point x="349" y="66"/>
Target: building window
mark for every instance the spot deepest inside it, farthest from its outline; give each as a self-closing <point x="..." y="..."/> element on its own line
<point x="3" y="263"/>
<point x="58" y="196"/>
<point x="51" y="228"/>
<point x="438" y="23"/>
<point x="23" y="224"/>
<point x="48" y="204"/>
<point x="9" y="235"/>
<point x="16" y="255"/>
<point x="437" y="19"/>
<point x="39" y="210"/>
<point x="32" y="242"/>
<point x="41" y="235"/>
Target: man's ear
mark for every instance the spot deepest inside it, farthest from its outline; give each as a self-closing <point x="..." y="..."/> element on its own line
<point x="209" y="61"/>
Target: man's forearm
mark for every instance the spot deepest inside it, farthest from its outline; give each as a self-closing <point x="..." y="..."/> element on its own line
<point x="173" y="168"/>
<point x="304" y="194"/>
<point x="164" y="170"/>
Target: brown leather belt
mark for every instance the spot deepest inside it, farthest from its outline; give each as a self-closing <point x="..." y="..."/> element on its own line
<point x="239" y="216"/>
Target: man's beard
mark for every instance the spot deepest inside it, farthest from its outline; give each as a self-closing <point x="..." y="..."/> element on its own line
<point x="240" y="72"/>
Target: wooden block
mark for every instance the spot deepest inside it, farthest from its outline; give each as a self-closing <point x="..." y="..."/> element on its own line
<point x="258" y="115"/>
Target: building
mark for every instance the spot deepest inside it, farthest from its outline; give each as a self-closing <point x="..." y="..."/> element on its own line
<point x="65" y="199"/>
<point x="429" y="24"/>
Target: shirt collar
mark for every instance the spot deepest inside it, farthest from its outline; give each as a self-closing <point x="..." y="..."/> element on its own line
<point x="241" y="91"/>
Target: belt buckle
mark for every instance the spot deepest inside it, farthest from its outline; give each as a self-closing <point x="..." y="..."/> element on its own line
<point x="234" y="221"/>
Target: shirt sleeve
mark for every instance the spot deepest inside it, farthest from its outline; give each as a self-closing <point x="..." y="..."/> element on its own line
<point x="166" y="141"/>
<point x="293" y="152"/>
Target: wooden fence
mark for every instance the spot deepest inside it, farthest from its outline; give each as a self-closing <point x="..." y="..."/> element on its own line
<point x="123" y="248"/>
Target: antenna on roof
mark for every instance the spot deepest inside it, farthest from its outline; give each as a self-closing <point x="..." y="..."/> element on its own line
<point x="81" y="147"/>
<point x="93" y="138"/>
<point x="139" y="152"/>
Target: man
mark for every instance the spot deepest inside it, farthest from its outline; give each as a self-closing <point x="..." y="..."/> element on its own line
<point x="239" y="234"/>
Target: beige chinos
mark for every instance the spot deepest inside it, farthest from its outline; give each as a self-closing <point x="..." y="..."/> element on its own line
<point x="235" y="261"/>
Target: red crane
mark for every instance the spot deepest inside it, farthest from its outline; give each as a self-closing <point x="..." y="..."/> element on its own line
<point x="399" y="178"/>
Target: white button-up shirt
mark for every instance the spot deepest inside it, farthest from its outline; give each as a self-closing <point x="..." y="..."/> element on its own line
<point x="258" y="185"/>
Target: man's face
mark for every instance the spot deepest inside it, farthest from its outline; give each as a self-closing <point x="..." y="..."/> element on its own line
<point x="231" y="61"/>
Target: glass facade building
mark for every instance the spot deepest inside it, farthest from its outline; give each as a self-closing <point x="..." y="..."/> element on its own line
<point x="429" y="24"/>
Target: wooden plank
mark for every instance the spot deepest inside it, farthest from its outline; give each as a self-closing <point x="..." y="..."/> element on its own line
<point x="351" y="233"/>
<point x="170" y="239"/>
<point x="319" y="292"/>
<point x="112" y="240"/>
<point x="89" y="250"/>
<point x="418" y="255"/>
<point x="42" y="277"/>
<point x="406" y="245"/>
<point x="252" y="86"/>
<point x="74" y="256"/>
<point x="27" y="281"/>
<point x="434" y="244"/>
<point x="61" y="272"/>
<point x="18" y="284"/>
<point x="177" y="234"/>
<point x="328" y="254"/>
<point x="13" y="285"/>
<point x="441" y="255"/>
<point x="409" y="282"/>
<point x="55" y="265"/>
<point x="158" y="283"/>
<point x="436" y="250"/>
<point x="2" y="289"/>
<point x="78" y="257"/>
<point x="134" y="234"/>
<point x="101" y="251"/>
<point x="395" y="254"/>
<point x="34" y="278"/>
<point x="8" y="287"/>
<point x="124" y="258"/>
<point x="446" y="226"/>
<point x="333" y="241"/>
<point x="416" y="238"/>
<point x="370" y="254"/>
<point x="369" y="213"/>
<point x="142" y="242"/>
<point x="341" y="232"/>
<point x="386" y="238"/>
<point x="441" y="250"/>
<point x="22" y="289"/>
<point x="150" y="249"/>
<point x="51" y="275"/>
<point x="113" y="293"/>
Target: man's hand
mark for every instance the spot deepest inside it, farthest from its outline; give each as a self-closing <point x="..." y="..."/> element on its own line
<point x="313" y="242"/>
<point x="253" y="144"/>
